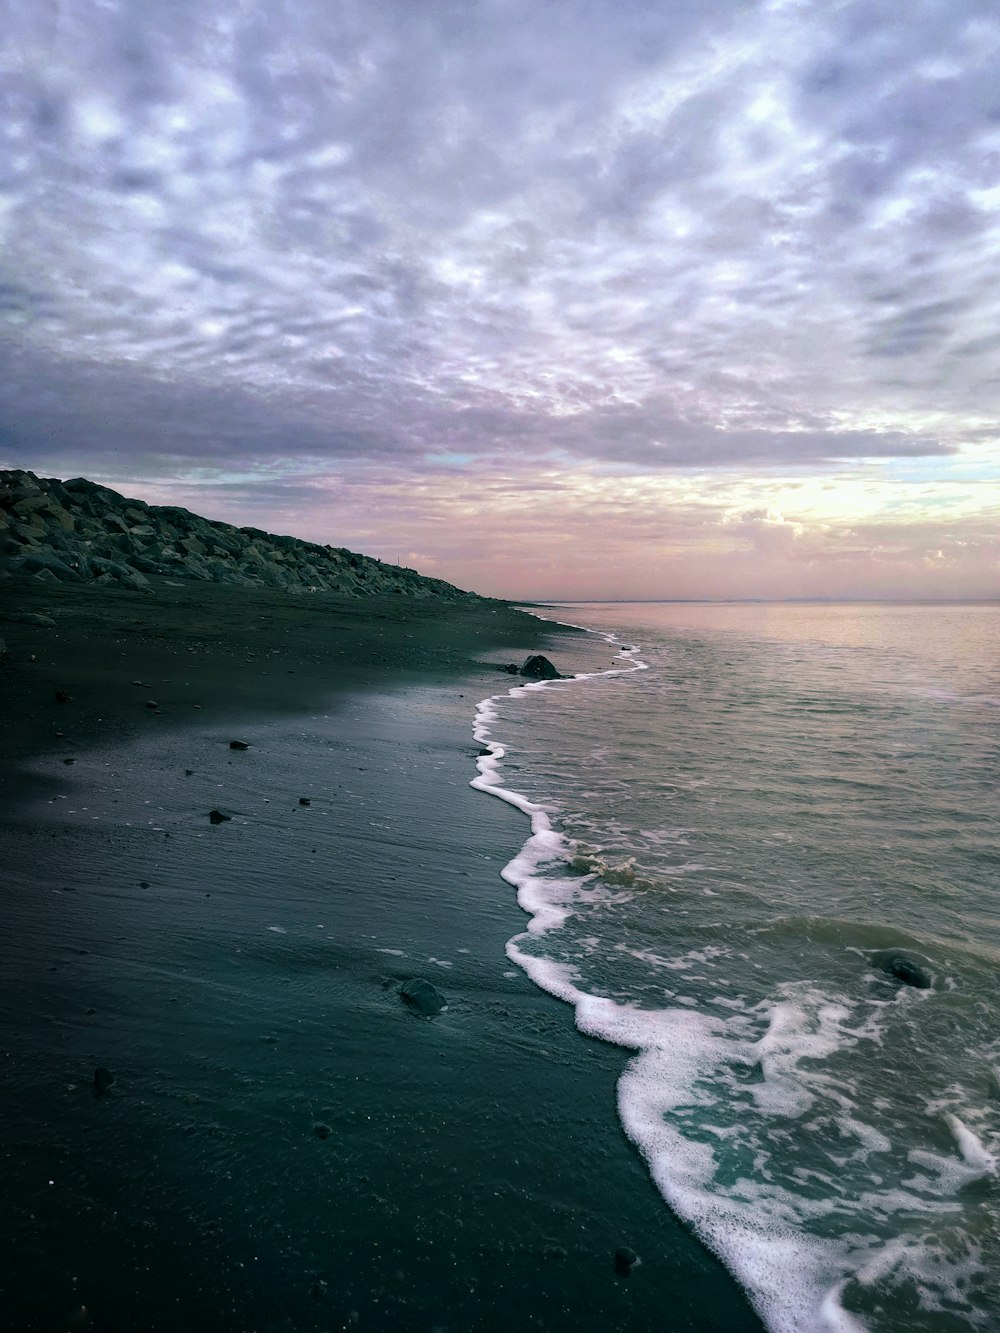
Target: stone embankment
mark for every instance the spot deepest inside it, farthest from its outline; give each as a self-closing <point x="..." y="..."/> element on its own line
<point x="79" y="532"/>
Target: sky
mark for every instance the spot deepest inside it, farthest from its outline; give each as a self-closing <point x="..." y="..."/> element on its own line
<point x="548" y="298"/>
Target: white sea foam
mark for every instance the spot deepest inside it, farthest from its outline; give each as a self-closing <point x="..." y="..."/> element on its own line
<point x="972" y="1148"/>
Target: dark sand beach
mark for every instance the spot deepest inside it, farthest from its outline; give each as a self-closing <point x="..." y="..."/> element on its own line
<point x="286" y="1145"/>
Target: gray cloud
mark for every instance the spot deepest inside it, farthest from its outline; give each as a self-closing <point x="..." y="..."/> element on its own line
<point x="640" y="237"/>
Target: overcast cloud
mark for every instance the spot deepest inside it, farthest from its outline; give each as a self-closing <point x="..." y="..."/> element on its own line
<point x="269" y="255"/>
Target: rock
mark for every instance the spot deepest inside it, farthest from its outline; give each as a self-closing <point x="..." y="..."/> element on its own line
<point x="321" y="1130"/>
<point x="304" y="800"/>
<point x="62" y="697"/>
<point x="906" y="970"/>
<point x="239" y="745"/>
<point x="423" y="997"/>
<point x="30" y="503"/>
<point x="217" y="817"/>
<point x="99" y="564"/>
<point x="103" y="1079"/>
<point x="134" y="580"/>
<point x="538" y="667"/>
<point x="484" y="753"/>
<point x="625" y="1260"/>
<point x="151" y="703"/>
<point x="511" y="668"/>
<point x="69" y="761"/>
<point x="43" y="562"/>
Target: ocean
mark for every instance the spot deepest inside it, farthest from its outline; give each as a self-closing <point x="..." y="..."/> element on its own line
<point x="764" y="858"/>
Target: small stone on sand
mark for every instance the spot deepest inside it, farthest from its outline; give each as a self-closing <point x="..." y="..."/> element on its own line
<point x="422" y="996"/>
<point x="625" y="1260"/>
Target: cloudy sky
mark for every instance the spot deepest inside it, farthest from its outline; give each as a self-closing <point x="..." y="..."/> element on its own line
<point x="609" y="298"/>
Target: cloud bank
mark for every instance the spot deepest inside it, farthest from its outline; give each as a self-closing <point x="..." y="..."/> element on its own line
<point x="387" y="249"/>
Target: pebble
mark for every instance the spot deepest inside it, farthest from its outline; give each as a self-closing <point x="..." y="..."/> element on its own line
<point x="422" y="996"/>
<point x="625" y="1260"/>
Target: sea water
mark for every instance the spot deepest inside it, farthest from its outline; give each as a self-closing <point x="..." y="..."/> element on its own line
<point x="745" y="834"/>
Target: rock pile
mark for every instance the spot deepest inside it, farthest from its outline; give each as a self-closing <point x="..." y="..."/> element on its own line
<point x="79" y="532"/>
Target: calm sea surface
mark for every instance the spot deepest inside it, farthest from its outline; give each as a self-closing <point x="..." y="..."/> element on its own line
<point x="747" y="845"/>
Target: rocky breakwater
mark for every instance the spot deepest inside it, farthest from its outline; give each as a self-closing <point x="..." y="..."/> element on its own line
<point x="79" y="532"/>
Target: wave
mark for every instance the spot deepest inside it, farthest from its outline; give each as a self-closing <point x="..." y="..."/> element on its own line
<point x="709" y="1082"/>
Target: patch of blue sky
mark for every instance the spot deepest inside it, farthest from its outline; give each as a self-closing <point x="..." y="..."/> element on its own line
<point x="449" y="459"/>
<point x="942" y="470"/>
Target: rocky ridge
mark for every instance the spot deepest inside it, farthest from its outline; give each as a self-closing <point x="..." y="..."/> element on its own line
<point x="80" y="532"/>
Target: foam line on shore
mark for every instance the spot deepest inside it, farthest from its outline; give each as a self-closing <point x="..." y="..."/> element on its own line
<point x="545" y="845"/>
<point x="793" y="1281"/>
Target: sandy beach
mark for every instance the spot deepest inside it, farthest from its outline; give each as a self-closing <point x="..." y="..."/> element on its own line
<point x="285" y="1144"/>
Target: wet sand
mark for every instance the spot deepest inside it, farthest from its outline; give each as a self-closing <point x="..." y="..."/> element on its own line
<point x="286" y="1145"/>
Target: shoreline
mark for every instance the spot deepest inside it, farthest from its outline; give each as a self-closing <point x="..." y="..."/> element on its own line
<point x="285" y="1145"/>
<point x="193" y="649"/>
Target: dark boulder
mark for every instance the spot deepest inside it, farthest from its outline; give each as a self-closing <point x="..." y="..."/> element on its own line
<point x="538" y="667"/>
<point x="625" y="1260"/>
<point x="906" y="970"/>
<point x="239" y="745"/>
<point x="37" y="562"/>
<point x="103" y="1079"/>
<point x="421" y="996"/>
<point x="217" y="817"/>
